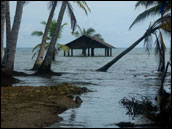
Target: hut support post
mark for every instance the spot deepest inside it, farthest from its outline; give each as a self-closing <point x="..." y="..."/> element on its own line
<point x="64" y="53"/>
<point x="107" y="51"/>
<point x="71" y="52"/>
<point x="92" y="51"/>
<point x="110" y="51"/>
<point x="88" y="51"/>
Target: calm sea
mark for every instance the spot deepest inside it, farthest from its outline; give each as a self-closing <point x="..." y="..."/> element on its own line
<point x="135" y="73"/>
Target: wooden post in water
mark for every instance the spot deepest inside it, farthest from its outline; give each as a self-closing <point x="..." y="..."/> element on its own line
<point x="64" y="53"/>
<point x="71" y="52"/>
<point x="88" y="51"/>
<point x="92" y="51"/>
<point x="110" y="51"/>
<point x="107" y="51"/>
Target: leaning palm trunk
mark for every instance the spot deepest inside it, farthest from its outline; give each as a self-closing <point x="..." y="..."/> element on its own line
<point x="3" y="10"/>
<point x="8" y="69"/>
<point x="46" y="65"/>
<point x="8" y="30"/>
<point x="39" y="59"/>
<point x="108" y="65"/>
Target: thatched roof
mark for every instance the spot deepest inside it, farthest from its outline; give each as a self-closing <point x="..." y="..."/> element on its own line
<point x="86" y="41"/>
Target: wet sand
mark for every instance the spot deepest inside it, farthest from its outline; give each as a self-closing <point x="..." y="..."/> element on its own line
<point x="36" y="107"/>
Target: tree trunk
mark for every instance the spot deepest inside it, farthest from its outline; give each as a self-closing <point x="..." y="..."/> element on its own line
<point x="8" y="30"/>
<point x="13" y="39"/>
<point x="39" y="59"/>
<point x="46" y="65"/>
<point x="3" y="10"/>
<point x="108" y="65"/>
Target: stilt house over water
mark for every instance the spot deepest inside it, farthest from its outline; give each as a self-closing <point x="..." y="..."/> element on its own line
<point x="87" y="43"/>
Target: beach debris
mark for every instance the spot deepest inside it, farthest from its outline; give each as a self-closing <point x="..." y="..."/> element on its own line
<point x="138" y="107"/>
<point x="78" y="100"/>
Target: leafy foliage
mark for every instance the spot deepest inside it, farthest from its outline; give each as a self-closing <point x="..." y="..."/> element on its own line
<point x="90" y="32"/>
<point x="49" y="36"/>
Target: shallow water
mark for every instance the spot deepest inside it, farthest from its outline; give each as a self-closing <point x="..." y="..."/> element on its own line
<point x="134" y="74"/>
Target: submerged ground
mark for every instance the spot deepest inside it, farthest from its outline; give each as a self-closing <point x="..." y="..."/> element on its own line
<point x="136" y="73"/>
<point x="35" y="107"/>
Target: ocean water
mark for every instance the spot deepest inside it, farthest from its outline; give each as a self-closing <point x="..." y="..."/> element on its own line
<point x="135" y="73"/>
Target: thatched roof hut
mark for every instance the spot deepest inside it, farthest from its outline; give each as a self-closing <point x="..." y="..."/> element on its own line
<point x="87" y="42"/>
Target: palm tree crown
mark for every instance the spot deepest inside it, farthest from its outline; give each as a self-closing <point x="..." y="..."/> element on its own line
<point x="49" y="37"/>
<point x="90" y="32"/>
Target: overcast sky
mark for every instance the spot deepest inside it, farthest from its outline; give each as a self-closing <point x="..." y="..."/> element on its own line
<point x="109" y="18"/>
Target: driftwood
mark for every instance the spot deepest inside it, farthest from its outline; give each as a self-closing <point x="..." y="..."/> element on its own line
<point x="130" y="124"/>
<point x="138" y="107"/>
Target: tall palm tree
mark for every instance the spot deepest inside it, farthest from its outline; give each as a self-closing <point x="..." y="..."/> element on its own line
<point x="36" y="49"/>
<point x="8" y="30"/>
<point x="156" y="25"/>
<point x="46" y="65"/>
<point x="39" y="59"/>
<point x="156" y="8"/>
<point x="90" y="32"/>
<point x="3" y="12"/>
<point x="9" y="65"/>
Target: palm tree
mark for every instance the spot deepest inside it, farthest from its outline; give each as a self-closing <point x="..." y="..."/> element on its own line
<point x="90" y="32"/>
<point x="3" y="12"/>
<point x="49" y="37"/>
<point x="9" y="65"/>
<point x="8" y="30"/>
<point x="157" y="8"/>
<point x="39" y="59"/>
<point x="156" y="25"/>
<point x="46" y="65"/>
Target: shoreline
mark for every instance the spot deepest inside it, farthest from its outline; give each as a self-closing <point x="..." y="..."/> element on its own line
<point x="37" y="107"/>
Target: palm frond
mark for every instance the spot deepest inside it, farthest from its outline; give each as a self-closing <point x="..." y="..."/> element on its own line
<point x="72" y="16"/>
<point x="98" y="36"/>
<point x="157" y="46"/>
<point x="82" y="6"/>
<point x="43" y="23"/>
<point x="61" y="30"/>
<point x="51" y="3"/>
<point x="34" y="55"/>
<point x="166" y="26"/>
<point x="164" y="19"/>
<point x="76" y="34"/>
<point x="63" y="47"/>
<point x="81" y="31"/>
<point x="146" y="4"/>
<point x="47" y="45"/>
<point x="148" y="42"/>
<point x="36" y="47"/>
<point x="52" y="29"/>
<point x="162" y="42"/>
<point x="37" y="33"/>
<point x="86" y="5"/>
<point x="90" y="31"/>
<point x="149" y="12"/>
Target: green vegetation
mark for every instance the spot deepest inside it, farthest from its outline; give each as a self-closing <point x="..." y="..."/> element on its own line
<point x="59" y="46"/>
